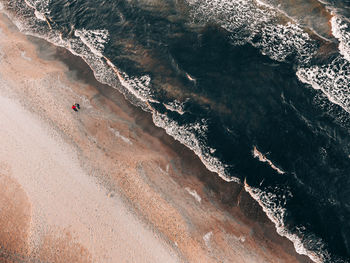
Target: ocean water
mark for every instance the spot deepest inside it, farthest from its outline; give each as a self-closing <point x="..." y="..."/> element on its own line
<point x="258" y="89"/>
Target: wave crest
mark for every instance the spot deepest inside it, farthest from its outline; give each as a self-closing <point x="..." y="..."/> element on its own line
<point x="332" y="79"/>
<point x="255" y="23"/>
<point x="94" y="39"/>
<point x="273" y="202"/>
<point x="341" y="30"/>
<point x="193" y="136"/>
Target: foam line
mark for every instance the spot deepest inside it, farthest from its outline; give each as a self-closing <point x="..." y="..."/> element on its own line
<point x="272" y="205"/>
<point x="192" y="135"/>
<point x="262" y="158"/>
<point x="332" y="79"/>
<point x="341" y="30"/>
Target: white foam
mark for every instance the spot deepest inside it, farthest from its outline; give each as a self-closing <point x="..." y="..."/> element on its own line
<point x="254" y="22"/>
<point x="194" y="194"/>
<point x="332" y="79"/>
<point x="341" y="30"/>
<point x="191" y="136"/>
<point x="94" y="39"/>
<point x="262" y="158"/>
<point x="264" y="4"/>
<point x="281" y="41"/>
<point x="139" y="86"/>
<point x="242" y="15"/>
<point x="273" y="205"/>
<point x="175" y="106"/>
<point x="30" y="3"/>
<point x="89" y="45"/>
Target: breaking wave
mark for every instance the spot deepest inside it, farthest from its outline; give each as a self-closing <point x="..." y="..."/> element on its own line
<point x="175" y="106"/>
<point x="341" y="30"/>
<point x="94" y="39"/>
<point x="273" y="203"/>
<point x="332" y="79"/>
<point x="193" y="136"/>
<point x="255" y="23"/>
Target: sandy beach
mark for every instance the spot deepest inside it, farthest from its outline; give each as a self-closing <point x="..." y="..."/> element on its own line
<point x="104" y="184"/>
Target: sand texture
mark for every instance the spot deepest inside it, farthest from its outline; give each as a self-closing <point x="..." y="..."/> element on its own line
<point x="103" y="184"/>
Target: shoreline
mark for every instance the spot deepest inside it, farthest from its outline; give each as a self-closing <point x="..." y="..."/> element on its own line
<point x="176" y="168"/>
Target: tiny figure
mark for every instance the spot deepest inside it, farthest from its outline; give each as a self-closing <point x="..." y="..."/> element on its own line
<point x="77" y="105"/>
<point x="74" y="108"/>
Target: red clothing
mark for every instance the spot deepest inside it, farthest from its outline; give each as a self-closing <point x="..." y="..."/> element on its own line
<point x="73" y="107"/>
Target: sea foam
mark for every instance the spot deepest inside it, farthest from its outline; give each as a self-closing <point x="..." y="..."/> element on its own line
<point x="273" y="205"/>
<point x="254" y="23"/>
<point x="341" y="30"/>
<point x="175" y="106"/>
<point x="94" y="39"/>
<point x="332" y="79"/>
<point x="193" y="136"/>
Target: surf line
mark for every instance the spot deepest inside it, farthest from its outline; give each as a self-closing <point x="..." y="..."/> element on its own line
<point x="122" y="80"/>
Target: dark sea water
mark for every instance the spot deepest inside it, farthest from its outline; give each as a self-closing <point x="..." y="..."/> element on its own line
<point x="259" y="90"/>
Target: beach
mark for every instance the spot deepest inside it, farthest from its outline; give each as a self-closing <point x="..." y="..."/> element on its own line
<point x="104" y="184"/>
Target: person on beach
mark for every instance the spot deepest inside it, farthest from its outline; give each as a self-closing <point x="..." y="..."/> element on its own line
<point x="74" y="107"/>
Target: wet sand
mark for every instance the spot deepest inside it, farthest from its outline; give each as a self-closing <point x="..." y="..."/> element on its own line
<point x="104" y="184"/>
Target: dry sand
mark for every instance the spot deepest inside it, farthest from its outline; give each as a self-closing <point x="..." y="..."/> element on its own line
<point x="103" y="184"/>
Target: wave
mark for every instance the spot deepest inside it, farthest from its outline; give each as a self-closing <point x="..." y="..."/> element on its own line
<point x="332" y="79"/>
<point x="273" y="203"/>
<point x="341" y="30"/>
<point x="264" y="159"/>
<point x="242" y="17"/>
<point x="175" y="106"/>
<point x="94" y="39"/>
<point x="255" y="23"/>
<point x="194" y="137"/>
